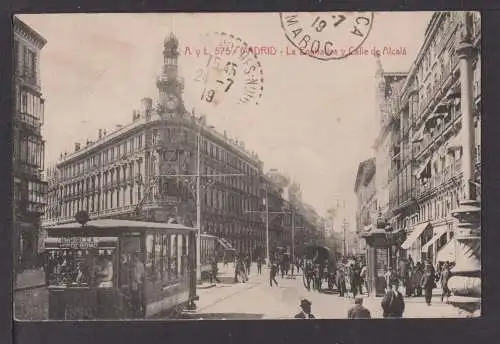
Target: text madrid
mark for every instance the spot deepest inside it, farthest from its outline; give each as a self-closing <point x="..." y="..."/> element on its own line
<point x="269" y="50"/>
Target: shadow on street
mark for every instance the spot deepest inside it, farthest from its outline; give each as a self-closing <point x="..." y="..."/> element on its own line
<point x="222" y="316"/>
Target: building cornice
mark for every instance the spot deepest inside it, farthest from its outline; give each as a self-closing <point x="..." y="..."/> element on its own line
<point x="28" y="33"/>
<point x="143" y="123"/>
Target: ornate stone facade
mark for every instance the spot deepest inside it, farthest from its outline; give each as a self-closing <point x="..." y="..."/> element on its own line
<point x="28" y="145"/>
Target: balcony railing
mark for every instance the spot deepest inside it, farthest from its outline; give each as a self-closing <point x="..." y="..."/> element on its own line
<point x="29" y="120"/>
<point x="440" y="178"/>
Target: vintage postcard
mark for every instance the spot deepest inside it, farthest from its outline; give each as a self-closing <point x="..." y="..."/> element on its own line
<point x="321" y="165"/>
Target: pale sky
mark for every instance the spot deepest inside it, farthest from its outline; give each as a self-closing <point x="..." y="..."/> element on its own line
<point x="315" y="120"/>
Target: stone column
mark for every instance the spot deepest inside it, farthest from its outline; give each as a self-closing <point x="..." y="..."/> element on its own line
<point x="465" y="283"/>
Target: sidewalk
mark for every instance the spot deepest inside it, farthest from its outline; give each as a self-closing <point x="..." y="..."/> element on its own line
<point x="415" y="307"/>
<point x="220" y="291"/>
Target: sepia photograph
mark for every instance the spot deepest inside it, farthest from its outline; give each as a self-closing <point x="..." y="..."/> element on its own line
<point x="246" y="166"/>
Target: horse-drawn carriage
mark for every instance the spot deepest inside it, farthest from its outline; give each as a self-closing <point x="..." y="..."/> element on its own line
<point x="320" y="264"/>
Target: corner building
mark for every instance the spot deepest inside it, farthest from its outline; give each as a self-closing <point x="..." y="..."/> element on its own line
<point x="146" y="170"/>
<point x="28" y="145"/>
<point x="426" y="175"/>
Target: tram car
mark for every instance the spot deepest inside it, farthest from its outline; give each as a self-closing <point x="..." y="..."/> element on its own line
<point x="208" y="252"/>
<point x="120" y="269"/>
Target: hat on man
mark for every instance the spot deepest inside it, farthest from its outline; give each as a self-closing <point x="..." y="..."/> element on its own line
<point x="305" y="302"/>
<point x="358" y="300"/>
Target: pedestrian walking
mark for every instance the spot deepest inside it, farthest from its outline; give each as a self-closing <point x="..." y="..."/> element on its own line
<point x="297" y="264"/>
<point x="272" y="274"/>
<point x="358" y="311"/>
<point x="428" y="282"/>
<point x="355" y="280"/>
<point x="341" y="281"/>
<point x="393" y="304"/>
<point x="248" y="264"/>
<point x="417" y="278"/>
<point x="306" y="310"/>
<point x="213" y="273"/>
<point x="259" y="265"/>
<point x="389" y="277"/>
<point x="363" y="280"/>
<point x="445" y="276"/>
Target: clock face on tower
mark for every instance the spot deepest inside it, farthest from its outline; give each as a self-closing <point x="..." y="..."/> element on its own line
<point x="172" y="103"/>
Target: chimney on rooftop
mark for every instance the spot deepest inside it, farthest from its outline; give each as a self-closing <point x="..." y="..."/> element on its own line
<point x="100" y="134"/>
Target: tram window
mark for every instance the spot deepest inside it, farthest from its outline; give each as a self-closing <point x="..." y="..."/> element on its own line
<point x="179" y="254"/>
<point x="150" y="256"/>
<point x="157" y="257"/>
<point x="81" y="267"/>
<point x="130" y="246"/>
<point x="166" y="276"/>
<point x="173" y="256"/>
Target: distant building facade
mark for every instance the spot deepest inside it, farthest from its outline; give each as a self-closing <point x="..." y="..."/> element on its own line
<point x="366" y="200"/>
<point x="28" y="145"/>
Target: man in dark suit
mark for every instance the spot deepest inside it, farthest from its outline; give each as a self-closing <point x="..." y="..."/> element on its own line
<point x="358" y="311"/>
<point x="393" y="303"/>
<point x="306" y="310"/>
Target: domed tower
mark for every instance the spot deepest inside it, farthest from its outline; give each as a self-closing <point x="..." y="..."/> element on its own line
<point x="170" y="85"/>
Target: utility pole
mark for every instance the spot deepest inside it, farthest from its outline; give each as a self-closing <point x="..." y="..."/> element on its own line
<point x="267" y="229"/>
<point x="293" y="236"/>
<point x="267" y="212"/>
<point x="198" y="208"/>
<point x="344" y="227"/>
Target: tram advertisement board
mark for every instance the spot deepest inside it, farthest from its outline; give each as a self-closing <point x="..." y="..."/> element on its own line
<point x="75" y="242"/>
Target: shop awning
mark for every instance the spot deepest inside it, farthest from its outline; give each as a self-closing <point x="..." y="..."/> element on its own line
<point x="225" y="244"/>
<point x="438" y="232"/>
<point x="447" y="252"/>
<point x="419" y="135"/>
<point x="414" y="235"/>
<point x="419" y="171"/>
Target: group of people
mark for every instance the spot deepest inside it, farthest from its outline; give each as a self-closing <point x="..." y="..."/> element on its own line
<point x="242" y="265"/>
<point x="351" y="278"/>
<point x="418" y="278"/>
<point x="281" y="264"/>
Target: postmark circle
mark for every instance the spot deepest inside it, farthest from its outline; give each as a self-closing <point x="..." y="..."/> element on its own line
<point x="231" y="71"/>
<point x="327" y="36"/>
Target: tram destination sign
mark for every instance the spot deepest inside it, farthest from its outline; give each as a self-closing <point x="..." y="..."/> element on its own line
<point x="78" y="242"/>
